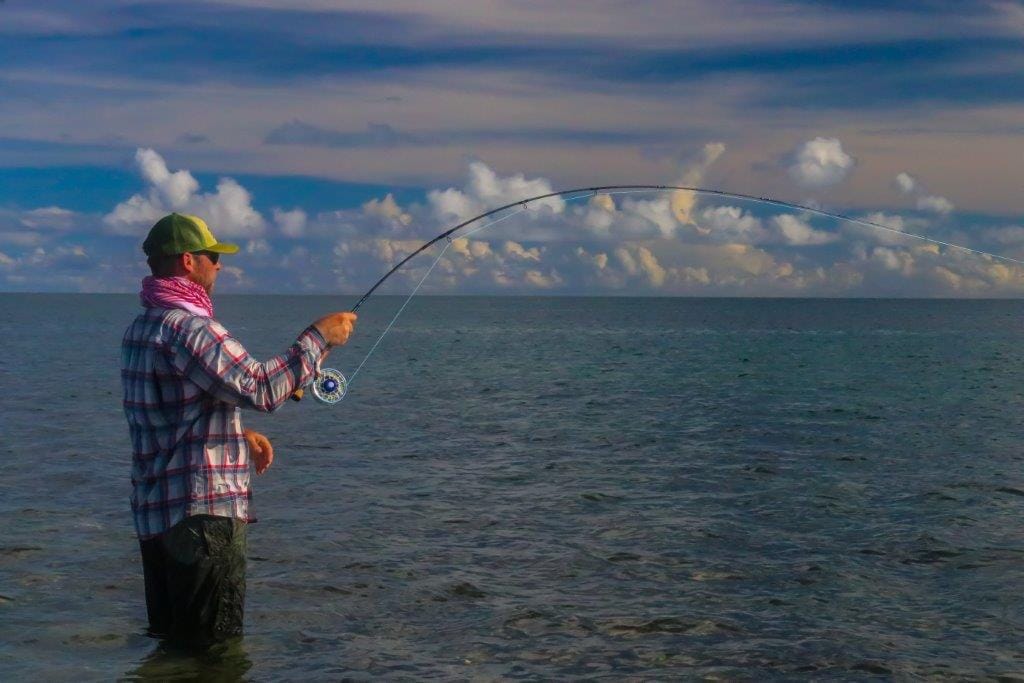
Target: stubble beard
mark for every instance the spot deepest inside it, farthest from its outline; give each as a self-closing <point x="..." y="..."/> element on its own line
<point x="207" y="286"/>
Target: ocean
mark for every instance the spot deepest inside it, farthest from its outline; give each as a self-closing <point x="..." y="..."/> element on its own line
<point x="553" y="488"/>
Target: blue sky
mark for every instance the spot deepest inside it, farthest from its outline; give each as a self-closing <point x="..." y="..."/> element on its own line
<point x="329" y="138"/>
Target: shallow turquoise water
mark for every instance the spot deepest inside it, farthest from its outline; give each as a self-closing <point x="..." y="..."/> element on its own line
<point x="551" y="488"/>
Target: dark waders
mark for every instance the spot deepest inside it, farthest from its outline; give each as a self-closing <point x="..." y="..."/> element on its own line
<point x="195" y="580"/>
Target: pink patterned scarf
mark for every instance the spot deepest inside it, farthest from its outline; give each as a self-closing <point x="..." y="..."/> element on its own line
<point x="175" y="292"/>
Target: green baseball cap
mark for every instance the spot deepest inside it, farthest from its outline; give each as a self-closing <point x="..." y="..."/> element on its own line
<point x="179" y="233"/>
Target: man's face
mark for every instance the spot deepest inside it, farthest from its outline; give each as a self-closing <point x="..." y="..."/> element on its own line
<point x="204" y="271"/>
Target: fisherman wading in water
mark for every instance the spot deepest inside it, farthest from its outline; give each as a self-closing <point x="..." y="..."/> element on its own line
<point x="185" y="380"/>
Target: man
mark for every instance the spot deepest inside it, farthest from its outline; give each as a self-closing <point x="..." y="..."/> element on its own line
<point x="185" y="379"/>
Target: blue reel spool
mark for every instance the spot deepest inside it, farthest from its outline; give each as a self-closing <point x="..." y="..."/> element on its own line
<point x="330" y="386"/>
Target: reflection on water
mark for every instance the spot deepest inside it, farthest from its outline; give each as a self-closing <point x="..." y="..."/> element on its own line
<point x="223" y="662"/>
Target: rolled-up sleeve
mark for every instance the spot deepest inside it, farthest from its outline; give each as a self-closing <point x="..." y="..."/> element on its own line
<point x="207" y="355"/>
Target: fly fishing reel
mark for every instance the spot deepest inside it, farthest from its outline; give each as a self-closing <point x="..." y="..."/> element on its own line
<point x="329" y="386"/>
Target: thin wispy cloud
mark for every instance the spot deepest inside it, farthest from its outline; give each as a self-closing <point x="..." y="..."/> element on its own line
<point x="382" y="135"/>
<point x="1011" y="15"/>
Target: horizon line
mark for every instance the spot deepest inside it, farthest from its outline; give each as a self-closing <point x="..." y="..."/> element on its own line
<point x="560" y="296"/>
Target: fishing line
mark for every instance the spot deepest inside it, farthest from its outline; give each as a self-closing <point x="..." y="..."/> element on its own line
<point x="388" y="328"/>
<point x="330" y="385"/>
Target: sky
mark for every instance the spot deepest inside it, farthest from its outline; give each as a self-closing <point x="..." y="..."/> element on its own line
<point x="330" y="139"/>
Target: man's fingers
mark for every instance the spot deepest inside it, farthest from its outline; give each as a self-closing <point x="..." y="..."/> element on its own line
<point x="336" y="327"/>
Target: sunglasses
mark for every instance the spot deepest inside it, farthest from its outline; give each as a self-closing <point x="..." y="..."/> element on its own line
<point x="212" y="255"/>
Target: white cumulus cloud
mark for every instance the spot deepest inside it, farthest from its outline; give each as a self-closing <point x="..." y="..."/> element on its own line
<point x="692" y="175"/>
<point x="905" y="183"/>
<point x="731" y="223"/>
<point x="892" y="259"/>
<point x="797" y="232"/>
<point x="516" y="250"/>
<point x="228" y="211"/>
<point x="603" y="243"/>
<point x="258" y="247"/>
<point x="652" y="269"/>
<point x="909" y="185"/>
<point x="472" y="249"/>
<point x="540" y="280"/>
<point x="639" y="261"/>
<point x="485" y="190"/>
<point x="392" y="251"/>
<point x="935" y="204"/>
<point x="173" y="189"/>
<point x="387" y="209"/>
<point x="599" y="215"/>
<point x="895" y="224"/>
<point x="291" y="223"/>
<point x="820" y="162"/>
<point x="656" y="213"/>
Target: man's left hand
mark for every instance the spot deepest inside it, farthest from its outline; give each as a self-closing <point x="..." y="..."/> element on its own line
<point x="260" y="449"/>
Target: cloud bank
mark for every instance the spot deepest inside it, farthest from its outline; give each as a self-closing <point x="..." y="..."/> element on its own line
<point x="647" y="243"/>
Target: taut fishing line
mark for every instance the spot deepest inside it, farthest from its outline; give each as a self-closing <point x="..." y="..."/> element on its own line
<point x="330" y="385"/>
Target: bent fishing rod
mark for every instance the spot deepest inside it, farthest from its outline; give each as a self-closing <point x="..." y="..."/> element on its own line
<point x="330" y="385"/>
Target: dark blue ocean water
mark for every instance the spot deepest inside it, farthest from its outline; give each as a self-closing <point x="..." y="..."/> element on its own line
<point x="554" y="488"/>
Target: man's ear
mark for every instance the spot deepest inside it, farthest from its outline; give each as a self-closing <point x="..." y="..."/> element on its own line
<point x="188" y="262"/>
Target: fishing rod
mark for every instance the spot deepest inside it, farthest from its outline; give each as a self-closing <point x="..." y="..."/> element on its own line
<point x="330" y="385"/>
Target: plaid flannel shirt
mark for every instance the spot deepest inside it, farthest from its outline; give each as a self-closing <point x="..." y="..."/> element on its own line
<point x="185" y="378"/>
